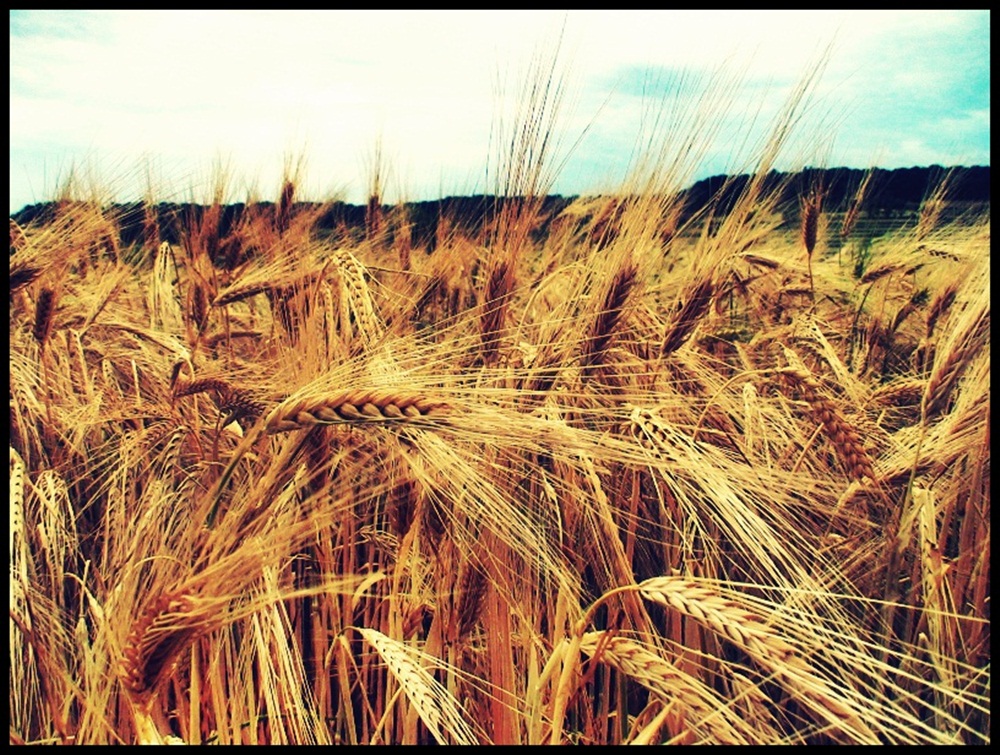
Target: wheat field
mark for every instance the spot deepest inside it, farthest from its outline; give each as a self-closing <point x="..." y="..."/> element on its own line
<point x="626" y="474"/>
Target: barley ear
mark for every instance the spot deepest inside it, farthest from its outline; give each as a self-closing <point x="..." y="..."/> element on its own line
<point x="810" y="229"/>
<point x="686" y="316"/>
<point x="441" y="713"/>
<point x="494" y="314"/>
<point x="155" y="643"/>
<point x="729" y="619"/>
<point x="950" y="363"/>
<point x="284" y="212"/>
<point x="704" y="710"/>
<point x="845" y="438"/>
<point x="44" y="309"/>
<point x="609" y="316"/>
<point x="353" y="406"/>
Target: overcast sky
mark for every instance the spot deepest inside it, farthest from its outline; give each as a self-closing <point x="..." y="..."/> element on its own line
<point x="122" y="97"/>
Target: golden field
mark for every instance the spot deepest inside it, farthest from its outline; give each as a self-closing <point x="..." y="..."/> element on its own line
<point x="624" y="475"/>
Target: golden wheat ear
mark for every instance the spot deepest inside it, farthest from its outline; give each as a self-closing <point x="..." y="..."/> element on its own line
<point x="496" y="302"/>
<point x="845" y="438"/>
<point x="727" y="617"/>
<point x="356" y="406"/>
<point x="233" y="403"/>
<point x="968" y="340"/>
<point x="703" y="711"/>
<point x="694" y="306"/>
<point x="436" y="706"/>
<point x="609" y="316"/>
<point x="44" y="309"/>
<point x="155" y="642"/>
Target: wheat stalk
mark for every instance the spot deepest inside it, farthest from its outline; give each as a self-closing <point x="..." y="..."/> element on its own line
<point x="939" y="608"/>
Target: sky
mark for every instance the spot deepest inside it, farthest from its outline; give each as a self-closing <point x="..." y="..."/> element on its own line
<point x="163" y="103"/>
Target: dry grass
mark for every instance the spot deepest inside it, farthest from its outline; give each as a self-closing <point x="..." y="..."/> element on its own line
<point x="627" y="475"/>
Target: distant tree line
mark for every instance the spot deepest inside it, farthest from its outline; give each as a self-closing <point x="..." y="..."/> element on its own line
<point x="901" y="189"/>
<point x="888" y="192"/>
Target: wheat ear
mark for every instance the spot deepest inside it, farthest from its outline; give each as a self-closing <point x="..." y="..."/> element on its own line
<point x="687" y="316"/>
<point x="947" y="370"/>
<point x="940" y="306"/>
<point x="437" y="708"/>
<point x="705" y="711"/>
<point x="727" y="618"/>
<point x="44" y="309"/>
<point x="810" y="229"/>
<point x="283" y="214"/>
<point x="472" y="594"/>
<point x="845" y="438"/>
<point x="22" y="272"/>
<point x="234" y="403"/>
<point x="854" y="211"/>
<point x="353" y="406"/>
<point x="18" y="552"/>
<point x="496" y="302"/>
<point x="352" y="276"/>
<point x="901" y="392"/>
<point x="810" y="223"/>
<point x="878" y="273"/>
<point x="156" y="641"/>
<point x="603" y="326"/>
